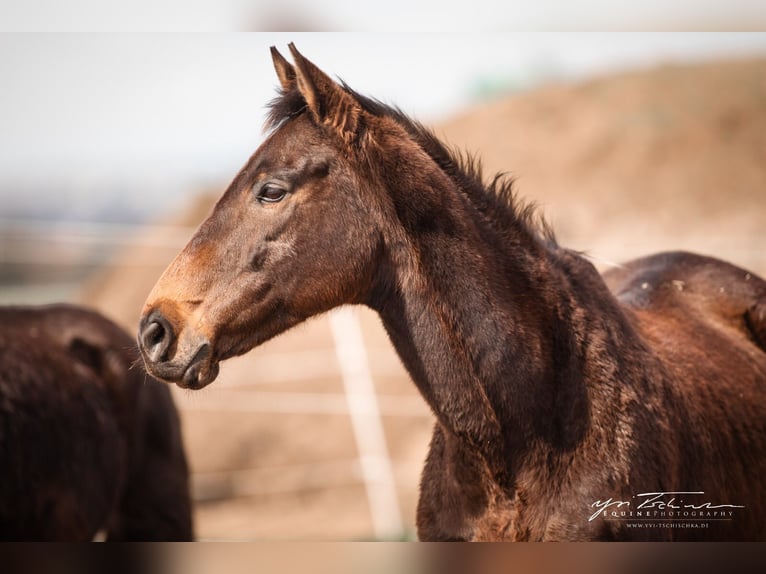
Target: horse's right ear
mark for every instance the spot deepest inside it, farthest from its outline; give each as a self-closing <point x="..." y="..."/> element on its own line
<point x="329" y="103"/>
<point x="285" y="70"/>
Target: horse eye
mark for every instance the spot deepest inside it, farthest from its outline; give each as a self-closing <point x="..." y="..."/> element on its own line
<point x="271" y="194"/>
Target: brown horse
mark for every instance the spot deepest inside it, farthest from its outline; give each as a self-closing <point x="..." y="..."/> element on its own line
<point x="88" y="442"/>
<point x="569" y="406"/>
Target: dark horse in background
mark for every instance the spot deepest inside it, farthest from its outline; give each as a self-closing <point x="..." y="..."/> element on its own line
<point x="561" y="396"/>
<point x="88" y="442"/>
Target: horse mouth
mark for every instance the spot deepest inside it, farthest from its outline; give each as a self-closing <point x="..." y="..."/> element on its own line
<point x="194" y="374"/>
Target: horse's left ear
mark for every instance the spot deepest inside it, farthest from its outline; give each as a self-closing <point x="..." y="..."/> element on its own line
<point x="285" y="71"/>
<point x="328" y="102"/>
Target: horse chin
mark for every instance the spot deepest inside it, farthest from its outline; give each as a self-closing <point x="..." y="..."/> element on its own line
<point x="199" y="375"/>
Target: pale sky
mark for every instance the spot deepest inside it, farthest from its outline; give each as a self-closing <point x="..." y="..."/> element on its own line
<point x="155" y="115"/>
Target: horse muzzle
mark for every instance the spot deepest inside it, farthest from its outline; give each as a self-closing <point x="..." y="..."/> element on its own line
<point x="175" y="355"/>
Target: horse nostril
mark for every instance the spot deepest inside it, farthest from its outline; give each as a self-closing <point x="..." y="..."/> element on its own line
<point x="156" y="338"/>
<point x="153" y="334"/>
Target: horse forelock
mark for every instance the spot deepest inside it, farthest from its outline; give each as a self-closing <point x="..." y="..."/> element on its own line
<point x="286" y="105"/>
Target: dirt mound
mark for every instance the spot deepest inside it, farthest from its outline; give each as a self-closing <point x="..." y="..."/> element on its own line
<point x="668" y="158"/>
<point x="662" y="159"/>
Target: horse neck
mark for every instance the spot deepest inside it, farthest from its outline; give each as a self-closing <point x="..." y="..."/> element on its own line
<point x="486" y="325"/>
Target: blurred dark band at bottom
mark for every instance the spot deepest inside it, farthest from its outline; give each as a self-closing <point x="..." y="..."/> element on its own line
<point x="381" y="557"/>
<point x="112" y="558"/>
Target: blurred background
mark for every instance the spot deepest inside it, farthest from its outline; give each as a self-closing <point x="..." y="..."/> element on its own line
<point x="398" y="15"/>
<point x="114" y="147"/>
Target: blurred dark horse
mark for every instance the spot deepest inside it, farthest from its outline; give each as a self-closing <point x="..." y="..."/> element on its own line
<point x="569" y="406"/>
<point x="88" y="442"/>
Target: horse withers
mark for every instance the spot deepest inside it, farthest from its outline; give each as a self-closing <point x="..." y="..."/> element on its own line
<point x="88" y="442"/>
<point x="569" y="406"/>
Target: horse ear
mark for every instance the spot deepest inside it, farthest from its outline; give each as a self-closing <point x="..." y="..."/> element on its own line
<point x="285" y="70"/>
<point x="328" y="102"/>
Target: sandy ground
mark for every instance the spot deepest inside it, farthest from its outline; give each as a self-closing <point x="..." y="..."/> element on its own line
<point x="671" y="158"/>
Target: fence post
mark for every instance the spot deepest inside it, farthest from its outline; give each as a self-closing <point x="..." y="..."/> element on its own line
<point x="366" y="422"/>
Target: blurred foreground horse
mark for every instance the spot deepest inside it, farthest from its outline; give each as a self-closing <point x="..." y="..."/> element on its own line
<point x="88" y="442"/>
<point x="569" y="405"/>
